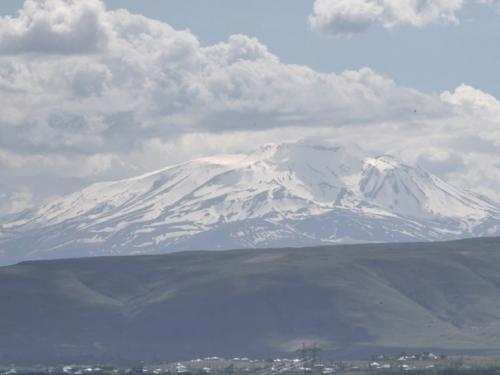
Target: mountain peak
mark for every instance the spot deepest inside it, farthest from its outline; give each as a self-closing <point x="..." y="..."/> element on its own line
<point x="302" y="193"/>
<point x="311" y="145"/>
<point x="303" y="156"/>
<point x="385" y="163"/>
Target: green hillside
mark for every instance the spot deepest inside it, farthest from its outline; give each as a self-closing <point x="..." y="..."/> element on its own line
<point x="350" y="300"/>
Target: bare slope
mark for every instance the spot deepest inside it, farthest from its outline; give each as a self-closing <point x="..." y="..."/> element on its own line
<point x="292" y="194"/>
<point x="356" y="300"/>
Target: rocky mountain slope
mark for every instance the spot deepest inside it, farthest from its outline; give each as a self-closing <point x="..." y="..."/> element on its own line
<point x="291" y="194"/>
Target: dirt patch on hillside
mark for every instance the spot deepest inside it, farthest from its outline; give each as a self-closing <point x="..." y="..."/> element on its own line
<point x="266" y="258"/>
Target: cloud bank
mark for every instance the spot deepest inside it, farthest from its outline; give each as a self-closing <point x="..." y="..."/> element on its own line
<point x="336" y="18"/>
<point x="90" y="94"/>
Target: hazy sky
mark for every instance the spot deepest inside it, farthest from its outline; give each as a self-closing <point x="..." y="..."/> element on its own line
<point x="94" y="90"/>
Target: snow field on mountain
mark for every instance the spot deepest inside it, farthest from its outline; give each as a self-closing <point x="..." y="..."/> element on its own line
<point x="299" y="193"/>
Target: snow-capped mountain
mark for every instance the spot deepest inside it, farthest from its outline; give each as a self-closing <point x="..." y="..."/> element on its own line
<point x="290" y="194"/>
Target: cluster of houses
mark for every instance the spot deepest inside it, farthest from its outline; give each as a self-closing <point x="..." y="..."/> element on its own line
<point x="405" y="362"/>
<point x="181" y="369"/>
<point x="268" y="366"/>
<point x="282" y="366"/>
<point x="244" y="359"/>
<point x="299" y="366"/>
<point x="71" y="369"/>
<point x="79" y="370"/>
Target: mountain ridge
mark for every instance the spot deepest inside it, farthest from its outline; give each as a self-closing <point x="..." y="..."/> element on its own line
<point x="352" y="300"/>
<point x="277" y="196"/>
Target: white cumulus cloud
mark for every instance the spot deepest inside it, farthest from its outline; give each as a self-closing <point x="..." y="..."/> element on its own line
<point x="335" y="18"/>
<point x="90" y="94"/>
<point x="54" y="26"/>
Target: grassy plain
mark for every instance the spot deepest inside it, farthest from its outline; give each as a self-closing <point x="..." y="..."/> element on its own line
<point x="352" y="301"/>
